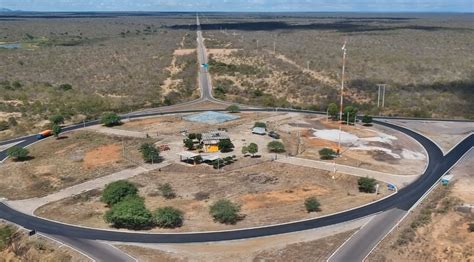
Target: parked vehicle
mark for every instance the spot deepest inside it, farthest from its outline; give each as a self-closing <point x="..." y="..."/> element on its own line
<point x="44" y="134"/>
<point x="274" y="134"/>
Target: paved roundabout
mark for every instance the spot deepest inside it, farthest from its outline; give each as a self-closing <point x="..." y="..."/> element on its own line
<point x="404" y="199"/>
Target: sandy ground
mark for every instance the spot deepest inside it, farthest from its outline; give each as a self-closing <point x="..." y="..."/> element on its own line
<point x="268" y="193"/>
<point x="37" y="248"/>
<point x="60" y="163"/>
<point x="446" y="237"/>
<point x="446" y="134"/>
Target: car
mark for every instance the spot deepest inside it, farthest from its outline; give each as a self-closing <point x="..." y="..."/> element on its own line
<point x="274" y="134"/>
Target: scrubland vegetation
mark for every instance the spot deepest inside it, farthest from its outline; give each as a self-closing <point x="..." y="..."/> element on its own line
<point x="80" y="67"/>
<point x="425" y="60"/>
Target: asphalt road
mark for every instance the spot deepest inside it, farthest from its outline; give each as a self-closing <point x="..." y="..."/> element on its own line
<point x="403" y="200"/>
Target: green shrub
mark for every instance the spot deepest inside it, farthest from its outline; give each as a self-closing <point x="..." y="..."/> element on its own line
<point x="56" y="130"/>
<point x="129" y="213"/>
<point x="367" y="120"/>
<point x="18" y="153"/>
<point x="260" y="124"/>
<point x="168" y="217"/>
<point x="188" y="143"/>
<point x="117" y="191"/>
<point x="225" y="145"/>
<point x="233" y="109"/>
<point x="224" y="211"/>
<point x="333" y="110"/>
<point x="167" y="191"/>
<point x="276" y="147"/>
<point x="312" y="204"/>
<point x="110" y="119"/>
<point x="327" y="154"/>
<point x="150" y="153"/>
<point x="471" y="227"/>
<point x="6" y="233"/>
<point x="366" y="184"/>
<point x="57" y="119"/>
<point x="252" y="148"/>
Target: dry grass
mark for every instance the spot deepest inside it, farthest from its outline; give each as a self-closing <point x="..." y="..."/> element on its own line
<point x="269" y="193"/>
<point x="57" y="164"/>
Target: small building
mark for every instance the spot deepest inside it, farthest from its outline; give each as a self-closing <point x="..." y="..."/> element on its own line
<point x="188" y="157"/>
<point x="259" y="131"/>
<point x="210" y="140"/>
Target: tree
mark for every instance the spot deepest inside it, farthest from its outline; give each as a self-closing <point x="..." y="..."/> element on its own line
<point x="110" y="119"/>
<point x="150" y="153"/>
<point x="225" y="145"/>
<point x="252" y="148"/>
<point x="471" y="227"/>
<point x="167" y="191"/>
<point x="245" y="150"/>
<point x="65" y="87"/>
<point x="327" y="154"/>
<point x="367" y="120"/>
<point x="168" y="217"/>
<point x="312" y="204"/>
<point x="224" y="211"/>
<point x="18" y="153"/>
<point x="56" y="130"/>
<point x="276" y="147"/>
<point x="260" y="124"/>
<point x="199" y="137"/>
<point x="56" y="119"/>
<point x="349" y="113"/>
<point x="333" y="110"/>
<point x="188" y="143"/>
<point x="129" y="213"/>
<point x="233" y="109"/>
<point x="366" y="184"/>
<point x="117" y="191"/>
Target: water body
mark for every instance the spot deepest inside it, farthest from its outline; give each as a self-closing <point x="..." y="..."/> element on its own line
<point x="11" y="46"/>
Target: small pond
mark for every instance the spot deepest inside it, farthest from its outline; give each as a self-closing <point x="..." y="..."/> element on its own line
<point x="10" y="45"/>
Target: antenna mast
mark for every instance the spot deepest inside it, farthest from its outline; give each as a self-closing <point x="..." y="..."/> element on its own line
<point x="342" y="93"/>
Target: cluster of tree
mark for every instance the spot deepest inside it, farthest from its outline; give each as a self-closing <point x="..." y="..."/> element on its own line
<point x="225" y="145"/>
<point x="252" y="148"/>
<point x="110" y="119"/>
<point x="127" y="209"/>
<point x="150" y="153"/>
<point x="56" y="122"/>
<point x="189" y="141"/>
<point x="276" y="147"/>
<point x="349" y="114"/>
<point x="11" y="122"/>
<point x="221" y="162"/>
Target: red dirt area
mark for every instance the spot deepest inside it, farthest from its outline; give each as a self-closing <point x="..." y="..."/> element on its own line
<point x="277" y="198"/>
<point x="102" y="155"/>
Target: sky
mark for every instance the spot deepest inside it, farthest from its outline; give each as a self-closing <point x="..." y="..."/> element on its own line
<point x="244" y="5"/>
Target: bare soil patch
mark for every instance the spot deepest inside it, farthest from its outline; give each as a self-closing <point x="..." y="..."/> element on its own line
<point x="275" y="200"/>
<point x="445" y="235"/>
<point x="57" y="164"/>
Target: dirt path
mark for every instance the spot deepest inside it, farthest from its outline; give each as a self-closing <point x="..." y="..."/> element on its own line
<point x="316" y="75"/>
<point x="399" y="180"/>
<point x="117" y="132"/>
<point x="245" y="250"/>
<point x="28" y="206"/>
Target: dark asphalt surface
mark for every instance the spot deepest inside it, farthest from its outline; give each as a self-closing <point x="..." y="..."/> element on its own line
<point x="404" y="199"/>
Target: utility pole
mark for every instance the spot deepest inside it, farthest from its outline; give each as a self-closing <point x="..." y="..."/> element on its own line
<point x="381" y="94"/>
<point x="342" y="94"/>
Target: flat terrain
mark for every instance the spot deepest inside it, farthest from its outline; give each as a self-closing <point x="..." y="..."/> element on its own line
<point x="268" y="193"/>
<point x="59" y="163"/>
<point x="21" y="247"/>
<point x="436" y="231"/>
<point x="82" y="66"/>
<point x="316" y="250"/>
<point x="425" y="60"/>
<point x="445" y="134"/>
